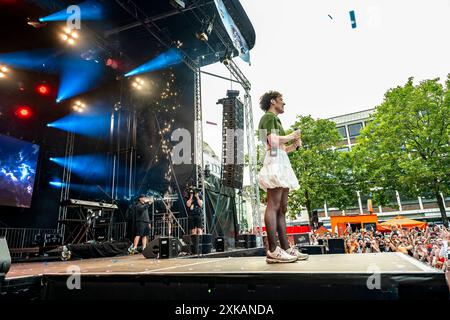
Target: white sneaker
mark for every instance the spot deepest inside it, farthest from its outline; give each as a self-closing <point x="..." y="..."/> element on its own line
<point x="279" y="256"/>
<point x="293" y="251"/>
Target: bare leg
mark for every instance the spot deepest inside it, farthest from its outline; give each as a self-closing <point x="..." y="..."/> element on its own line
<point x="270" y="216"/>
<point x="281" y="220"/>
<point x="144" y="242"/>
<point x="136" y="241"/>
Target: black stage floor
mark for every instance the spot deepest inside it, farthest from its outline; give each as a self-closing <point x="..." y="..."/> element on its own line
<point x="364" y="276"/>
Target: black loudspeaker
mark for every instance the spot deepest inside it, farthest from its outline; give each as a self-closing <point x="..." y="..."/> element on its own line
<point x="219" y="244"/>
<point x="336" y="245"/>
<point x="302" y="239"/>
<point x="312" y="249"/>
<point x="320" y="241"/>
<point x="169" y="247"/>
<point x="5" y="258"/>
<point x="315" y="219"/>
<point x="201" y="244"/>
<point x="246" y="241"/>
<point x="152" y="249"/>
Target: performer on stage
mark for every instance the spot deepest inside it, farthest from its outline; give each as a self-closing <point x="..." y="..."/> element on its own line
<point x="276" y="177"/>
<point x="194" y="208"/>
<point x="142" y="224"/>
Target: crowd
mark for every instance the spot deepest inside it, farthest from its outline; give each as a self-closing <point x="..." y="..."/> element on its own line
<point x="429" y="245"/>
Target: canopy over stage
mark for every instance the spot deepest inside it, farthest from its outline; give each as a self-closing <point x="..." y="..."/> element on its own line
<point x="391" y="275"/>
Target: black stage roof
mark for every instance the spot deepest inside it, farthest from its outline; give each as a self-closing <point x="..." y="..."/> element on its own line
<point x="120" y="32"/>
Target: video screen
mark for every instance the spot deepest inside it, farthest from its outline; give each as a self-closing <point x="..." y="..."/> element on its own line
<point x="18" y="160"/>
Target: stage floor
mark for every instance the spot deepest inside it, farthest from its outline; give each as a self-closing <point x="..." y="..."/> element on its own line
<point x="393" y="263"/>
<point x="322" y="276"/>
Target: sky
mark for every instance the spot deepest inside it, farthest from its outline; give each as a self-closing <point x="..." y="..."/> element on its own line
<point x="308" y="51"/>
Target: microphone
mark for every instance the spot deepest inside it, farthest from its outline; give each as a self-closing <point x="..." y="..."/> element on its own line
<point x="298" y="147"/>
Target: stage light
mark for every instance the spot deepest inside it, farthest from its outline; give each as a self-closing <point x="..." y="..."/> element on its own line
<point x="164" y="60"/>
<point x="43" y="89"/>
<point x="3" y="71"/>
<point x="90" y="10"/>
<point x="23" y="112"/>
<point x="79" y="106"/>
<point x="36" y="23"/>
<point x="203" y="35"/>
<point x="89" y="166"/>
<point x="138" y="83"/>
<point x="89" y="124"/>
<point x="69" y="36"/>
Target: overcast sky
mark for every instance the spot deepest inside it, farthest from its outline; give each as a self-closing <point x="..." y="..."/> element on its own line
<point x="325" y="68"/>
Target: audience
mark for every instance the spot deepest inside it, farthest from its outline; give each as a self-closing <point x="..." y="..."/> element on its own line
<point x="429" y="245"/>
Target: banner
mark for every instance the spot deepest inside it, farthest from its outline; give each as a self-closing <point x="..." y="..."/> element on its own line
<point x="233" y="31"/>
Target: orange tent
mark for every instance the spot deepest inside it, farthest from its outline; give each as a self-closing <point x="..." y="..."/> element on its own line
<point x="340" y="223"/>
<point x="401" y="222"/>
<point x="322" y="230"/>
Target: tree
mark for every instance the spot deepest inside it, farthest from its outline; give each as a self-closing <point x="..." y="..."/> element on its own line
<point x="406" y="145"/>
<point x="323" y="172"/>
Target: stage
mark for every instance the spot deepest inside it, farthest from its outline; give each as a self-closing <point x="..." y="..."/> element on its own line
<point x="365" y="276"/>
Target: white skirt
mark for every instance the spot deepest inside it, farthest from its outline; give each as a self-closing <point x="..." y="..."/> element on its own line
<point x="277" y="172"/>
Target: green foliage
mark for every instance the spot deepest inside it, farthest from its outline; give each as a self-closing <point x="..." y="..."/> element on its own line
<point x="323" y="172"/>
<point x="406" y="146"/>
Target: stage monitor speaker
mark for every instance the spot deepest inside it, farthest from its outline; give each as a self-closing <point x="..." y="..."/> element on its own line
<point x="152" y="249"/>
<point x="336" y="246"/>
<point x="313" y="249"/>
<point x="301" y="239"/>
<point x="246" y="241"/>
<point x="320" y="241"/>
<point x="201" y="244"/>
<point x="5" y="258"/>
<point x="169" y="247"/>
<point x="219" y="244"/>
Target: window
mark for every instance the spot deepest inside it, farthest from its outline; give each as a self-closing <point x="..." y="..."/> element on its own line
<point x="354" y="129"/>
<point x="342" y="132"/>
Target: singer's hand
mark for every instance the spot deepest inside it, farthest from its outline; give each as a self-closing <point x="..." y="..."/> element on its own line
<point x="295" y="135"/>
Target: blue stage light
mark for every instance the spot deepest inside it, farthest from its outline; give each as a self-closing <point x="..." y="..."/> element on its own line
<point x="89" y="10"/>
<point x="164" y="60"/>
<point x="78" y="76"/>
<point x="89" y="167"/>
<point x="37" y="60"/>
<point x="90" y="124"/>
<point x="57" y="184"/>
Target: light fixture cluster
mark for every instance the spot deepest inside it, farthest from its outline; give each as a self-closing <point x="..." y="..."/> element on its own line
<point x="138" y="83"/>
<point x="3" y="71"/>
<point x="79" y="106"/>
<point x="70" y="36"/>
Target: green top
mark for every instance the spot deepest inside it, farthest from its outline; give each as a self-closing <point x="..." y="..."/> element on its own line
<point x="269" y="122"/>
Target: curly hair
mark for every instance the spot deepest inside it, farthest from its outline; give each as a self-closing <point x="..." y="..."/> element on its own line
<point x="264" y="101"/>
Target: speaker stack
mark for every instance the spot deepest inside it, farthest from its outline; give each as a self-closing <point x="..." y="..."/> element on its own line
<point x="336" y="246"/>
<point x="312" y="249"/>
<point x="246" y="241"/>
<point x="219" y="244"/>
<point x="201" y="244"/>
<point x="169" y="247"/>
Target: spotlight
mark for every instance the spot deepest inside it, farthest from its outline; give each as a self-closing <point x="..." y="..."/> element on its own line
<point x="43" y="89"/>
<point x="69" y="36"/>
<point x="79" y="106"/>
<point x="178" y="44"/>
<point x="203" y="35"/>
<point x="3" y="71"/>
<point x="138" y="83"/>
<point x="36" y="23"/>
<point x="23" y="112"/>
